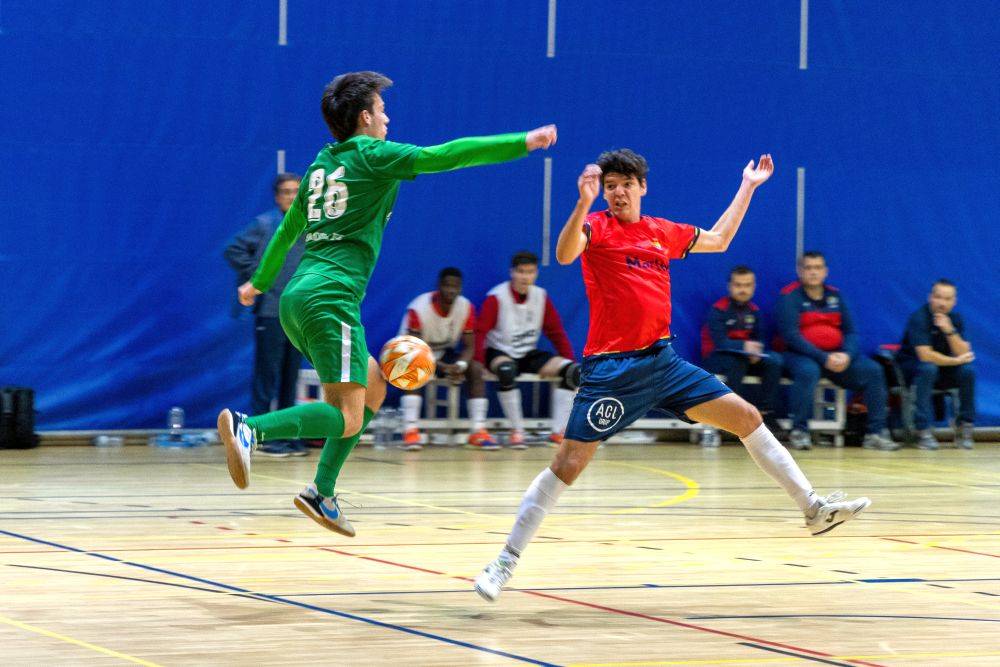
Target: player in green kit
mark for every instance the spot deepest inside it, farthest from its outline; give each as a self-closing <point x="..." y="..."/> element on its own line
<point x="343" y="206"/>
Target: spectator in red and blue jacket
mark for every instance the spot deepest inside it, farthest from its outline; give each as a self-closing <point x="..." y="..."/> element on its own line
<point x="732" y="344"/>
<point x="818" y="333"/>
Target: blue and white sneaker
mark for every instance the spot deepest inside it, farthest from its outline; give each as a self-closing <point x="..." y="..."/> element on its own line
<point x="239" y="441"/>
<point x="324" y="511"/>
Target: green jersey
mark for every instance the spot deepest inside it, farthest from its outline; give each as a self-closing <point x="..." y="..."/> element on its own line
<point x="346" y="199"/>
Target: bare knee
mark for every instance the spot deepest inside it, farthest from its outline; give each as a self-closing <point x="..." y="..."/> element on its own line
<point x="571" y="459"/>
<point x="352" y="423"/>
<point x="747" y="419"/>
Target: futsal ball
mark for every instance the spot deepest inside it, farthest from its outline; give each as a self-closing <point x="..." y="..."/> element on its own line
<point x="407" y="362"/>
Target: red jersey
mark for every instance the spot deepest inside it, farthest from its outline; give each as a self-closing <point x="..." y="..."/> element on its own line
<point x="626" y="271"/>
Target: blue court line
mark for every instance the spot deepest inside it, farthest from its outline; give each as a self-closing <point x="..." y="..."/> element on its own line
<point x="801" y="656"/>
<point x="281" y="600"/>
<point x="922" y="618"/>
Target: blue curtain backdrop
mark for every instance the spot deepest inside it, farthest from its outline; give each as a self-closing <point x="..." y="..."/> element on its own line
<point x="136" y="138"/>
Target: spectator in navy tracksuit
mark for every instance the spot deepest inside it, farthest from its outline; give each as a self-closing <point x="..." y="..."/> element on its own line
<point x="818" y="333"/>
<point x="935" y="354"/>
<point x="276" y="361"/>
<point x="732" y="344"/>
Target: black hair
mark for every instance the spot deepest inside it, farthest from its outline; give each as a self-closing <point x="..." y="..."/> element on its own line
<point x="284" y="178"/>
<point x="449" y="271"/>
<point x="945" y="282"/>
<point x="523" y="257"/>
<point x="625" y="162"/>
<point x="346" y="97"/>
<point x="740" y="270"/>
<point x="811" y="254"/>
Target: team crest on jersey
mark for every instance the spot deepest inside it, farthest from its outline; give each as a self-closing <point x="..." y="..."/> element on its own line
<point x="605" y="413"/>
<point x="831" y="301"/>
<point x="656" y="244"/>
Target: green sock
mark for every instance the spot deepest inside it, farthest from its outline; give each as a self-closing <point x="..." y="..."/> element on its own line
<point x="334" y="454"/>
<point x="309" y="420"/>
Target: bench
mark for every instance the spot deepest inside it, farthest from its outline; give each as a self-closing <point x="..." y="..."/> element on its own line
<point x="829" y="406"/>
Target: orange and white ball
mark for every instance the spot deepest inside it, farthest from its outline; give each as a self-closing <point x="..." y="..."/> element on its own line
<point x="407" y="362"/>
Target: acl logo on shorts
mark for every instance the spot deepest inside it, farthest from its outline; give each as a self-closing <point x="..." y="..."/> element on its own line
<point x="605" y="413"/>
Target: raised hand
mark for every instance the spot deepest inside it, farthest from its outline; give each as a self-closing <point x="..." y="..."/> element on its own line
<point x="541" y="137"/>
<point x="757" y="175"/>
<point x="248" y="293"/>
<point x="589" y="183"/>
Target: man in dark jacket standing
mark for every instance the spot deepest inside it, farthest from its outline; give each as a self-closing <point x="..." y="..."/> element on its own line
<point x="276" y="361"/>
<point x="818" y="332"/>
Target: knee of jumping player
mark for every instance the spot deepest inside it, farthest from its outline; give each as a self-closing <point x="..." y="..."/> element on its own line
<point x="570" y="461"/>
<point x="746" y="419"/>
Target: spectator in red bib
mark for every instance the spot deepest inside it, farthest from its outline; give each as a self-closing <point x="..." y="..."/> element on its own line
<point x="815" y="325"/>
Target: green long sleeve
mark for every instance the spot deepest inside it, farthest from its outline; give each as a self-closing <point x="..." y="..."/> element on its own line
<point x="471" y="152"/>
<point x="288" y="232"/>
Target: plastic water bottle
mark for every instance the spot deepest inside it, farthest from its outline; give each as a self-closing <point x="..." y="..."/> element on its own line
<point x="382" y="425"/>
<point x="175" y="420"/>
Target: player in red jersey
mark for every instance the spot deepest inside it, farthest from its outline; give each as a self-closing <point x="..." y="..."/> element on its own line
<point x="629" y="364"/>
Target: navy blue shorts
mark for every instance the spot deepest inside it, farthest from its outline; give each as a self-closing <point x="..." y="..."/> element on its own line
<point x="617" y="389"/>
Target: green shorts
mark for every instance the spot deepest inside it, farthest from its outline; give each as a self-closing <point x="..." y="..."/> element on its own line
<point x="323" y="320"/>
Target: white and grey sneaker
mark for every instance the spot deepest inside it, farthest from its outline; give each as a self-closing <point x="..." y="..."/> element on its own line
<point x="324" y="511"/>
<point x="799" y="439"/>
<point x="926" y="440"/>
<point x="833" y="511"/>
<point x="965" y="436"/>
<point x="494" y="576"/>
<point x="240" y="442"/>
<point x="880" y="441"/>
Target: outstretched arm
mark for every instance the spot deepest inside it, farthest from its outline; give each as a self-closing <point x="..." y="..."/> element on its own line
<point x="274" y="257"/>
<point x="475" y="151"/>
<point x="718" y="238"/>
<point x="572" y="240"/>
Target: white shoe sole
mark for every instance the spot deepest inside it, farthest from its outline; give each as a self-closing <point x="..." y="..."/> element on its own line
<point x="484" y="595"/>
<point x="234" y="455"/>
<point x="306" y="509"/>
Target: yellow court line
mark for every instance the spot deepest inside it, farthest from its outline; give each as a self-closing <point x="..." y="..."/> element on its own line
<point x="880" y="656"/>
<point x="77" y="642"/>
<point x="691" y="487"/>
<point x="412" y="503"/>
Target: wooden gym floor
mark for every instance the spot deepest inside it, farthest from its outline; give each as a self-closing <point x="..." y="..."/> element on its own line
<point x="660" y="555"/>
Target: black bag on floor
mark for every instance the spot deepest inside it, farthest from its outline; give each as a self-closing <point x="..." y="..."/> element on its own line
<point x="17" y="418"/>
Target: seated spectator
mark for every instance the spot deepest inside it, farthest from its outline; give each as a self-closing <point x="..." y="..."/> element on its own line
<point x="446" y="321"/>
<point x="512" y="319"/>
<point x="935" y="355"/>
<point x="732" y="344"/>
<point x="818" y="333"/>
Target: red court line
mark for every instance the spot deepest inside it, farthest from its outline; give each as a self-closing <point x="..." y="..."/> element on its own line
<point x="938" y="546"/>
<point x="425" y="544"/>
<point x="612" y="610"/>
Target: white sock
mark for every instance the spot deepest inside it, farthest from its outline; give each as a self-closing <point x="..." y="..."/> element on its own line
<point x="772" y="458"/>
<point x="538" y="500"/>
<point x="562" y="405"/>
<point x="411" y="409"/>
<point x="477" y="412"/>
<point x="510" y="401"/>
